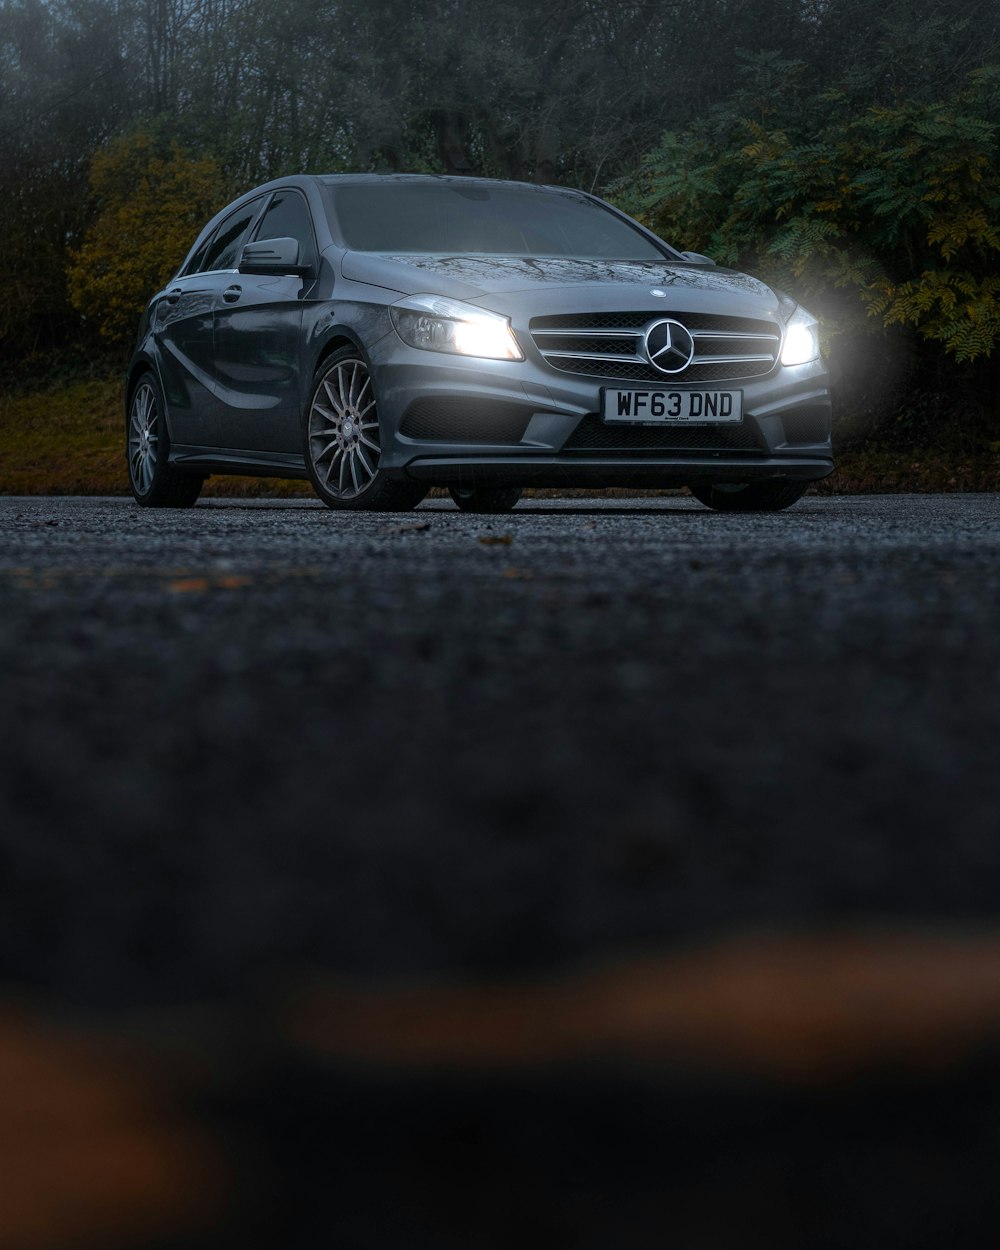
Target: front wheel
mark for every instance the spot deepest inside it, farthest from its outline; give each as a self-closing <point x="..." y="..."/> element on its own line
<point x="155" y="484"/>
<point x="748" y="496"/>
<point x="485" y="498"/>
<point x="343" y="443"/>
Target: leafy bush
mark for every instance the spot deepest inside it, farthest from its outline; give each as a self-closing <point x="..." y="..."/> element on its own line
<point x="879" y="217"/>
<point x="149" y="205"/>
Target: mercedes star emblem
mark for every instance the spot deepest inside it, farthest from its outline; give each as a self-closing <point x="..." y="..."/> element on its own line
<point x="669" y="346"/>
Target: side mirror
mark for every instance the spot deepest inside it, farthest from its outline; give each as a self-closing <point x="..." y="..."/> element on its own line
<point x="696" y="258"/>
<point x="277" y="256"/>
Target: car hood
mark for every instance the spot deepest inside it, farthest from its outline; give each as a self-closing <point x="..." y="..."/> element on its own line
<point x="503" y="282"/>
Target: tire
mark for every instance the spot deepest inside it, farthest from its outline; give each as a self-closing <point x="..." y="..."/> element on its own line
<point x="748" y="496"/>
<point x="485" y="498"/>
<point x="147" y="446"/>
<point x="342" y="441"/>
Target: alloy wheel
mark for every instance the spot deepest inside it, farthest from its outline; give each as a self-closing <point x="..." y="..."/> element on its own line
<point x="343" y="432"/>
<point x="143" y="438"/>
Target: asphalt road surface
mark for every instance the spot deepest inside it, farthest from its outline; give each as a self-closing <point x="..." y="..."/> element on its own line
<point x="257" y="743"/>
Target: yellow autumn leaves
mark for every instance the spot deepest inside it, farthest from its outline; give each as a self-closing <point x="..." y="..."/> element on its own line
<point x="150" y="205"/>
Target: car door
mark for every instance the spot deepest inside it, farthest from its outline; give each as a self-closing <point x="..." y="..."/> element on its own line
<point x="184" y="327"/>
<point x="258" y="340"/>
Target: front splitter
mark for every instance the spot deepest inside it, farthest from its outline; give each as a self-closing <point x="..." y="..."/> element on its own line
<point x="600" y="471"/>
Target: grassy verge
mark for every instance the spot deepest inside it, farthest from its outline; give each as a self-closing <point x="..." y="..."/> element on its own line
<point x="63" y="442"/>
<point x="885" y="471"/>
<point x="68" y="441"/>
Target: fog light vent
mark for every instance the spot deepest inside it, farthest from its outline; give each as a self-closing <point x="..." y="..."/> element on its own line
<point x="807" y="425"/>
<point x="457" y="420"/>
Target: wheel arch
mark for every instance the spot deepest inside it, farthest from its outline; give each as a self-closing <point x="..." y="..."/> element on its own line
<point x="144" y="363"/>
<point x="341" y="337"/>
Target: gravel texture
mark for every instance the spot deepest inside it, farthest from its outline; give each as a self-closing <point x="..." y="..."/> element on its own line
<point x="260" y="733"/>
<point x="257" y="745"/>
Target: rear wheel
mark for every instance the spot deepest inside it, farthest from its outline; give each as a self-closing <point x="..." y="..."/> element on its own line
<point x="155" y="484"/>
<point x="343" y="443"/>
<point x="748" y="496"/>
<point x="485" y="498"/>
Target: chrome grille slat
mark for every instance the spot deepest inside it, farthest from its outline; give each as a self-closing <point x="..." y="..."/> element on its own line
<point x="727" y="348"/>
<point x="597" y="333"/>
<point x="561" y="355"/>
<point x="729" y="360"/>
<point x="728" y="334"/>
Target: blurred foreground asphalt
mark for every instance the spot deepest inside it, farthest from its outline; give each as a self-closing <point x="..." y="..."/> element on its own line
<point x="612" y="873"/>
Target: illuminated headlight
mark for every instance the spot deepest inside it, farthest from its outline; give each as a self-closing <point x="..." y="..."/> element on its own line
<point x="447" y="325"/>
<point x="801" y="338"/>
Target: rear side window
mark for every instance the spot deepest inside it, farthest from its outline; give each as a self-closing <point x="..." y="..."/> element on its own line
<point x="224" y="250"/>
<point x="287" y="217"/>
<point x="197" y="262"/>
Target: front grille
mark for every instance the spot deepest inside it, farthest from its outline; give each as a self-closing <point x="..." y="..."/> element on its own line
<point x="595" y="435"/>
<point x="610" y="345"/>
<point x="646" y="373"/>
<point x="458" y="420"/>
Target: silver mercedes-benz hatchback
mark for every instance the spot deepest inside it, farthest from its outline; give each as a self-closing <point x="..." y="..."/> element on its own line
<point x="384" y="334"/>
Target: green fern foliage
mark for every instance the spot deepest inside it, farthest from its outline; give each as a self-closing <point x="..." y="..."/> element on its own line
<point x="889" y="214"/>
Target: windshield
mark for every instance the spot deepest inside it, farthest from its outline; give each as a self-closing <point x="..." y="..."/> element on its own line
<point x="468" y="219"/>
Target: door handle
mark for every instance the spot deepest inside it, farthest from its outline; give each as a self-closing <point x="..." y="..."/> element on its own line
<point x="232" y="293"/>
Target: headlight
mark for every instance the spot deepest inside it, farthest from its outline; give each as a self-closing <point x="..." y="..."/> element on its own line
<point x="446" y="325"/>
<point x="801" y="338"/>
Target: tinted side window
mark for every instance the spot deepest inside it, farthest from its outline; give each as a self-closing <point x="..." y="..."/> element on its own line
<point x="224" y="249"/>
<point x="288" y="217"/>
<point x="197" y="262"/>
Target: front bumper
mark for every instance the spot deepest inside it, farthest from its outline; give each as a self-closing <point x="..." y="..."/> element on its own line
<point x="447" y="419"/>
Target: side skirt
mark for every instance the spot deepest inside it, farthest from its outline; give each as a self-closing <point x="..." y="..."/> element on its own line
<point x="247" y="463"/>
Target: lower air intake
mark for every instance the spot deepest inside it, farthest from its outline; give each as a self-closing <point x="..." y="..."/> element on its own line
<point x="594" y="435"/>
<point x="807" y="425"/>
<point x="445" y="420"/>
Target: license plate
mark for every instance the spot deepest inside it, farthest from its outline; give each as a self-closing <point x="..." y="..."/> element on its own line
<point x="673" y="407"/>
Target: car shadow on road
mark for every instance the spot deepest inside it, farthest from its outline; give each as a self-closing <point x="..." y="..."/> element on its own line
<point x="675" y="508"/>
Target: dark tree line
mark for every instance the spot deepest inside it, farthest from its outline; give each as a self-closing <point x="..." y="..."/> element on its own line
<point x="574" y="91"/>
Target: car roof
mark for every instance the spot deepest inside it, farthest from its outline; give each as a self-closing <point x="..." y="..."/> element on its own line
<point x="333" y="180"/>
